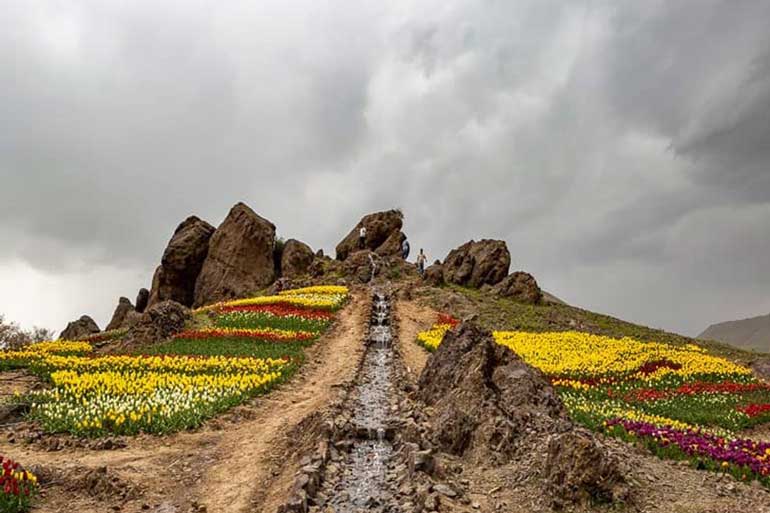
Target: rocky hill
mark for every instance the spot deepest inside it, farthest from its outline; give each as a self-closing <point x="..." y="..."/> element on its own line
<point x="750" y="334"/>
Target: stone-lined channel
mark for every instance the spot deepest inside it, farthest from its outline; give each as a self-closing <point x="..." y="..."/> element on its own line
<point x="364" y="481"/>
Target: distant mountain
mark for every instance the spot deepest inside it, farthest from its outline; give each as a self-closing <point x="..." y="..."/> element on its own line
<point x="753" y="333"/>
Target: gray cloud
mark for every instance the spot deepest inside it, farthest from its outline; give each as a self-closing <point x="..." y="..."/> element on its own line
<point x="620" y="148"/>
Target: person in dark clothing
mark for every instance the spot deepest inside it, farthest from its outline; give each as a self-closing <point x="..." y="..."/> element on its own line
<point x="405" y="249"/>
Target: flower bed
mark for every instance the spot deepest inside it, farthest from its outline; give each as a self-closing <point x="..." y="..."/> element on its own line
<point x="17" y="487"/>
<point x="253" y="345"/>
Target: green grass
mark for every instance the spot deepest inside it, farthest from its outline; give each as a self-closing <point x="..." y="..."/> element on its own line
<point x="230" y="347"/>
<point x="251" y="320"/>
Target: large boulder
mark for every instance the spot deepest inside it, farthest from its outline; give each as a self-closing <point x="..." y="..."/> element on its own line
<point x="121" y="313"/>
<point x="485" y="396"/>
<point x="175" y="278"/>
<point x="142" y="299"/>
<point x="381" y="227"/>
<point x="159" y="322"/>
<point x="474" y="264"/>
<point x="296" y="258"/>
<point x="521" y="287"/>
<point x="79" y="328"/>
<point x="392" y="245"/>
<point x="240" y="258"/>
<point x="434" y="274"/>
<point x="358" y="267"/>
<point x="489" y="407"/>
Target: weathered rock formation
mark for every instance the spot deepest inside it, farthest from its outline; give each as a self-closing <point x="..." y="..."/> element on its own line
<point x="296" y="258"/>
<point x="520" y="286"/>
<point x="490" y="407"/>
<point x="159" y="322"/>
<point x="474" y="264"/>
<point x="142" y="299"/>
<point x="383" y="234"/>
<point x="434" y="274"/>
<point x="358" y="266"/>
<point x="240" y="258"/>
<point x="175" y="278"/>
<point x="121" y="313"/>
<point x="80" y="328"/>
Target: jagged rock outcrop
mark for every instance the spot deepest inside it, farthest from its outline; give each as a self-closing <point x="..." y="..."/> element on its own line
<point x="175" y="278"/>
<point x="489" y="407"/>
<point x="121" y="313"/>
<point x="521" y="287"/>
<point x="80" y="328"/>
<point x="474" y="264"/>
<point x="358" y="266"/>
<point x="392" y="245"/>
<point x="296" y="258"/>
<point x="142" y="299"/>
<point x="381" y="227"/>
<point x="434" y="274"/>
<point x="240" y="258"/>
<point x="159" y="322"/>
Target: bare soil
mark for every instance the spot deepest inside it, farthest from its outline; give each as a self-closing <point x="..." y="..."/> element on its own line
<point x="412" y="319"/>
<point x="240" y="461"/>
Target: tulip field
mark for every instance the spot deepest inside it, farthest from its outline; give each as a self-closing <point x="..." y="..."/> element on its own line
<point x="236" y="350"/>
<point x="679" y="401"/>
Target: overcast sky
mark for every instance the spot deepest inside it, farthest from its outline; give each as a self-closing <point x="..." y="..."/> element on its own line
<point x="622" y="149"/>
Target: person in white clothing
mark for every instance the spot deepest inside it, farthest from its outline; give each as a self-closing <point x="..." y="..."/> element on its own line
<point x="362" y="237"/>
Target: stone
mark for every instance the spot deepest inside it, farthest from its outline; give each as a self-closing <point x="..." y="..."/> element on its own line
<point x="434" y="275"/>
<point x="142" y="299"/>
<point x="159" y="322"/>
<point x="579" y="469"/>
<point x="392" y="245"/>
<point x="359" y="266"/>
<point x="182" y="261"/>
<point x="521" y="287"/>
<point x="240" y="258"/>
<point x="477" y="263"/>
<point x="296" y="258"/>
<point x="761" y="368"/>
<point x="380" y="226"/>
<point x="79" y="328"/>
<point x="120" y="314"/>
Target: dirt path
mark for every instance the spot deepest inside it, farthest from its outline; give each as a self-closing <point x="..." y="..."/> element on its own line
<point x="220" y="467"/>
<point x="250" y="453"/>
<point x="412" y="319"/>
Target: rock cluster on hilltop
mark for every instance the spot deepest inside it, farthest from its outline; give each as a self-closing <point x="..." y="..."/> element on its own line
<point x="484" y="265"/>
<point x="487" y="406"/>
<point x="240" y="258"/>
<point x="122" y="312"/>
<point x="182" y="261"/>
<point x="474" y="264"/>
<point x="79" y="328"/>
<point x="383" y="235"/>
<point x="520" y="286"/>
<point x="296" y="258"/>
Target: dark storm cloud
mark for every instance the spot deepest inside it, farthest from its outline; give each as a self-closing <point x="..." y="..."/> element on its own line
<point x="621" y="148"/>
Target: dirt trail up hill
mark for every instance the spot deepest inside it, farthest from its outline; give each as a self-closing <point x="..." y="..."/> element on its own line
<point x="226" y="466"/>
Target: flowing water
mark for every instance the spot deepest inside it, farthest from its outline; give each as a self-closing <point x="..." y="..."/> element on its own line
<point x="364" y="483"/>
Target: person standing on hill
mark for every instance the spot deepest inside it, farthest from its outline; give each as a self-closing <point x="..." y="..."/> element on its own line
<point x="362" y="237"/>
<point x="405" y="249"/>
<point x="421" y="259"/>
